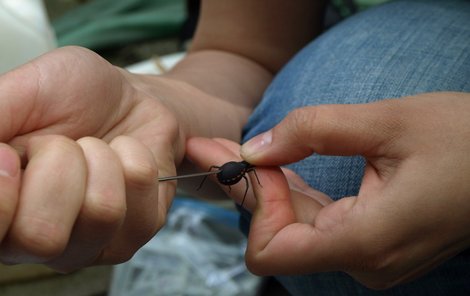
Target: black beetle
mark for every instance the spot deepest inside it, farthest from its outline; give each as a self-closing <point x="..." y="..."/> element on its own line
<point x="231" y="173"/>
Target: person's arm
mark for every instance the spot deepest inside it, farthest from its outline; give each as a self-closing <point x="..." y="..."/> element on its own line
<point x="238" y="46"/>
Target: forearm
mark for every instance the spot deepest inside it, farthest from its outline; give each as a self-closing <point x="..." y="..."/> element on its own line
<point x="225" y="75"/>
<point x="268" y="32"/>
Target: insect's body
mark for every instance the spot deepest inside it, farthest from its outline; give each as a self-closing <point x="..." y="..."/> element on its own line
<point x="232" y="172"/>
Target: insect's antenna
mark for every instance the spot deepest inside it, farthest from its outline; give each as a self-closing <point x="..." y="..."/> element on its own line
<point x="252" y="169"/>
<point x="256" y="175"/>
<point x="205" y="177"/>
<point x="202" y="182"/>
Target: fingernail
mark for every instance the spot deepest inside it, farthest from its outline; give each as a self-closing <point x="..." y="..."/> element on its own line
<point x="9" y="165"/>
<point x="257" y="144"/>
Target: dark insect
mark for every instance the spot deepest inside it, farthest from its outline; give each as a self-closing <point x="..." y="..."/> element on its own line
<point x="231" y="173"/>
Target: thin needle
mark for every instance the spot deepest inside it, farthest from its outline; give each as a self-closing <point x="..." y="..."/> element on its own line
<point x="188" y="176"/>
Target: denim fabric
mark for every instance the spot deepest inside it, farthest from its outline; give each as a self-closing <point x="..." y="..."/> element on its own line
<point x="394" y="50"/>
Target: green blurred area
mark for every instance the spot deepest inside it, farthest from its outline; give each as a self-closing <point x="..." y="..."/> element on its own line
<point x="124" y="32"/>
<point x="108" y="23"/>
<point x="28" y="279"/>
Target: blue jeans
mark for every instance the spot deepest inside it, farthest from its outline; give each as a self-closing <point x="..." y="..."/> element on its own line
<point x="394" y="50"/>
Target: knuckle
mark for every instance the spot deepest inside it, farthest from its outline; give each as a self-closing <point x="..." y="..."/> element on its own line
<point x="104" y="209"/>
<point x="302" y="118"/>
<point x="301" y="121"/>
<point x="141" y="175"/>
<point x="138" y="162"/>
<point x="42" y="239"/>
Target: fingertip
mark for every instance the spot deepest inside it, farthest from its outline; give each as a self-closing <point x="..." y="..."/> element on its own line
<point x="254" y="148"/>
<point x="139" y="164"/>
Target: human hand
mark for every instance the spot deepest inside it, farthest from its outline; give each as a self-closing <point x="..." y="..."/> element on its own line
<point x="411" y="213"/>
<point x="92" y="143"/>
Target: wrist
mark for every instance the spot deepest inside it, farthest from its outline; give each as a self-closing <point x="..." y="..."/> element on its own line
<point x="197" y="112"/>
<point x="224" y="75"/>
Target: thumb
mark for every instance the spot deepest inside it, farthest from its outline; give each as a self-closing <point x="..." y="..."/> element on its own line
<point x="326" y="129"/>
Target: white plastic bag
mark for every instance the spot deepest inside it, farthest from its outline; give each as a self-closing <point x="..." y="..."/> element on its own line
<point x="25" y="32"/>
<point x="199" y="252"/>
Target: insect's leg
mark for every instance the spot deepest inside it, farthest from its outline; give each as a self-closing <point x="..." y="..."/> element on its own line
<point x="229" y="188"/>
<point x="256" y="175"/>
<point x="246" y="190"/>
<point x="205" y="177"/>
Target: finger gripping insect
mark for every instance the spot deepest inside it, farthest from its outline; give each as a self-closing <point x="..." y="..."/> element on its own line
<point x="232" y="172"/>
